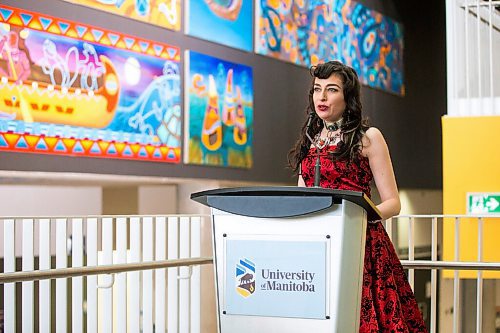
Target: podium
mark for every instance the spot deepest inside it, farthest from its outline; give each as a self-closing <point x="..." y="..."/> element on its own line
<point x="288" y="259"/>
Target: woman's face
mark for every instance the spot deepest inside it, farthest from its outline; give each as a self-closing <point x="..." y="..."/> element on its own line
<point x="328" y="97"/>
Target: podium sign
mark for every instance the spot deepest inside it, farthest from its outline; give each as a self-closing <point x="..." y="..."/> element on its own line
<point x="279" y="278"/>
<point x="288" y="259"/>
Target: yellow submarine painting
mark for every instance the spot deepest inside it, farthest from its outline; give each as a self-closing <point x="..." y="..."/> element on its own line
<point x="164" y="13"/>
<point x="71" y="89"/>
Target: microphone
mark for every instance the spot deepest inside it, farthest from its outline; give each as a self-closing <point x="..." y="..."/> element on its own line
<point x="309" y="121"/>
<point x="308" y="126"/>
<point x="317" y="171"/>
<point x="317" y="166"/>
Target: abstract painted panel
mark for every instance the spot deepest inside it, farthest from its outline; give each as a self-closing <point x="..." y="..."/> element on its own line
<point x="164" y="13"/>
<point x="72" y="89"/>
<point x="219" y="112"/>
<point x="308" y="32"/>
<point x="227" y="22"/>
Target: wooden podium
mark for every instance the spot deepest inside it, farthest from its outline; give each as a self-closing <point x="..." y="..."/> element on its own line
<point x="288" y="259"/>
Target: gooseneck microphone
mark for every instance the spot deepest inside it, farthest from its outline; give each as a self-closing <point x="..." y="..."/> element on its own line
<point x="317" y="166"/>
<point x="309" y="121"/>
<point x="308" y="126"/>
<point x="317" y="170"/>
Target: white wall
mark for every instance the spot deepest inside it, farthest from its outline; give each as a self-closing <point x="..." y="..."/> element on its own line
<point x="33" y="200"/>
<point x="38" y="201"/>
<point x="157" y="199"/>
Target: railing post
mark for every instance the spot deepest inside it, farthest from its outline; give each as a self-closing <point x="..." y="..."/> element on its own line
<point x="466" y="49"/>
<point x="160" y="274"/>
<point x="44" y="263"/>
<point x="121" y="294"/>
<point x="61" y="284"/>
<point x="479" y="304"/>
<point x="451" y="50"/>
<point x="195" y="308"/>
<point x="433" y="275"/>
<point x="173" y="272"/>
<point x="411" y="251"/>
<point x="9" y="265"/>
<point x="490" y="39"/>
<point x="77" y="282"/>
<point x="28" y="264"/>
<point x="456" y="280"/>
<point x="106" y="313"/>
<point x="147" y="276"/>
<point x="184" y="249"/>
<point x="134" y="300"/>
<point x="479" y="62"/>
<point x="91" y="248"/>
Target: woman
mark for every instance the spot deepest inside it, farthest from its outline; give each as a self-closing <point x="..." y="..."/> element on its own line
<point x="351" y="155"/>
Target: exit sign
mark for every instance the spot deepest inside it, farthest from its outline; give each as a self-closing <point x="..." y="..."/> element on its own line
<point x="483" y="203"/>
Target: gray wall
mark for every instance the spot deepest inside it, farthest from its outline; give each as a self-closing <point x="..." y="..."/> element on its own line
<point x="411" y="124"/>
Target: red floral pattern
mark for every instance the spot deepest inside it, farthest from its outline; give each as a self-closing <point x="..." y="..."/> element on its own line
<point x="387" y="303"/>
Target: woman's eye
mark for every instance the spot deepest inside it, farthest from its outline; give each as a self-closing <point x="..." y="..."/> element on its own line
<point x="332" y="90"/>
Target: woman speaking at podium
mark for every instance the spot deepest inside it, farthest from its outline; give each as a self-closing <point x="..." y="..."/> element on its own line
<point x="350" y="155"/>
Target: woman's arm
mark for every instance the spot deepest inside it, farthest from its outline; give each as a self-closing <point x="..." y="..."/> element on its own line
<point x="375" y="148"/>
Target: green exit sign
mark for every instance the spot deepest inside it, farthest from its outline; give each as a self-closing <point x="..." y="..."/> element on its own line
<point x="483" y="203"/>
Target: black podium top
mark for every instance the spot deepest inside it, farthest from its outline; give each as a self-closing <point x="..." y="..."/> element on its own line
<point x="269" y="201"/>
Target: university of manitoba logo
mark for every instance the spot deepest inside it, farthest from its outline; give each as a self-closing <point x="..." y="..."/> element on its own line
<point x="245" y="277"/>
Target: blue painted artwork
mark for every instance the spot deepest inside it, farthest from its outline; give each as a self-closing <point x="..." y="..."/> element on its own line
<point x="310" y="32"/>
<point x="227" y="22"/>
<point x="219" y="112"/>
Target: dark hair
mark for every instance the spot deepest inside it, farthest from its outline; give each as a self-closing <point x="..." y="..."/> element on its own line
<point x="353" y="125"/>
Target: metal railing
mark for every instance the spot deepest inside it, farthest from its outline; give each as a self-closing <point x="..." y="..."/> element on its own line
<point x="139" y="273"/>
<point x="122" y="246"/>
<point x="472" y="39"/>
<point x="106" y="269"/>
<point x="434" y="264"/>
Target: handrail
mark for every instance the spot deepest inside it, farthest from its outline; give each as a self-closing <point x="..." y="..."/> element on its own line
<point x="454" y="265"/>
<point x="121" y="268"/>
<point x="96" y="270"/>
<point x="417" y="216"/>
<point x="41" y="217"/>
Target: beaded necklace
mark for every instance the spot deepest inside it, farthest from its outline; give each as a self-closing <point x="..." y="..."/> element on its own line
<point x="331" y="137"/>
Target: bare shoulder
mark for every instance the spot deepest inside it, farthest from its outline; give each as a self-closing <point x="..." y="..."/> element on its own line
<point x="374" y="133"/>
<point x="373" y="141"/>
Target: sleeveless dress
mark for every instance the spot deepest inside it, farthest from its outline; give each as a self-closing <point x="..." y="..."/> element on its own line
<point x="387" y="302"/>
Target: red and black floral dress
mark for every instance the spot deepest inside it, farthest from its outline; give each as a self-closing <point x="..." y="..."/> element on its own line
<point x="388" y="303"/>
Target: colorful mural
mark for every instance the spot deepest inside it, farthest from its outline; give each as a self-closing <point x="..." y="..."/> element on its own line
<point x="72" y="89"/>
<point x="165" y="13"/>
<point x="219" y="112"/>
<point x="308" y="32"/>
<point x="227" y="22"/>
